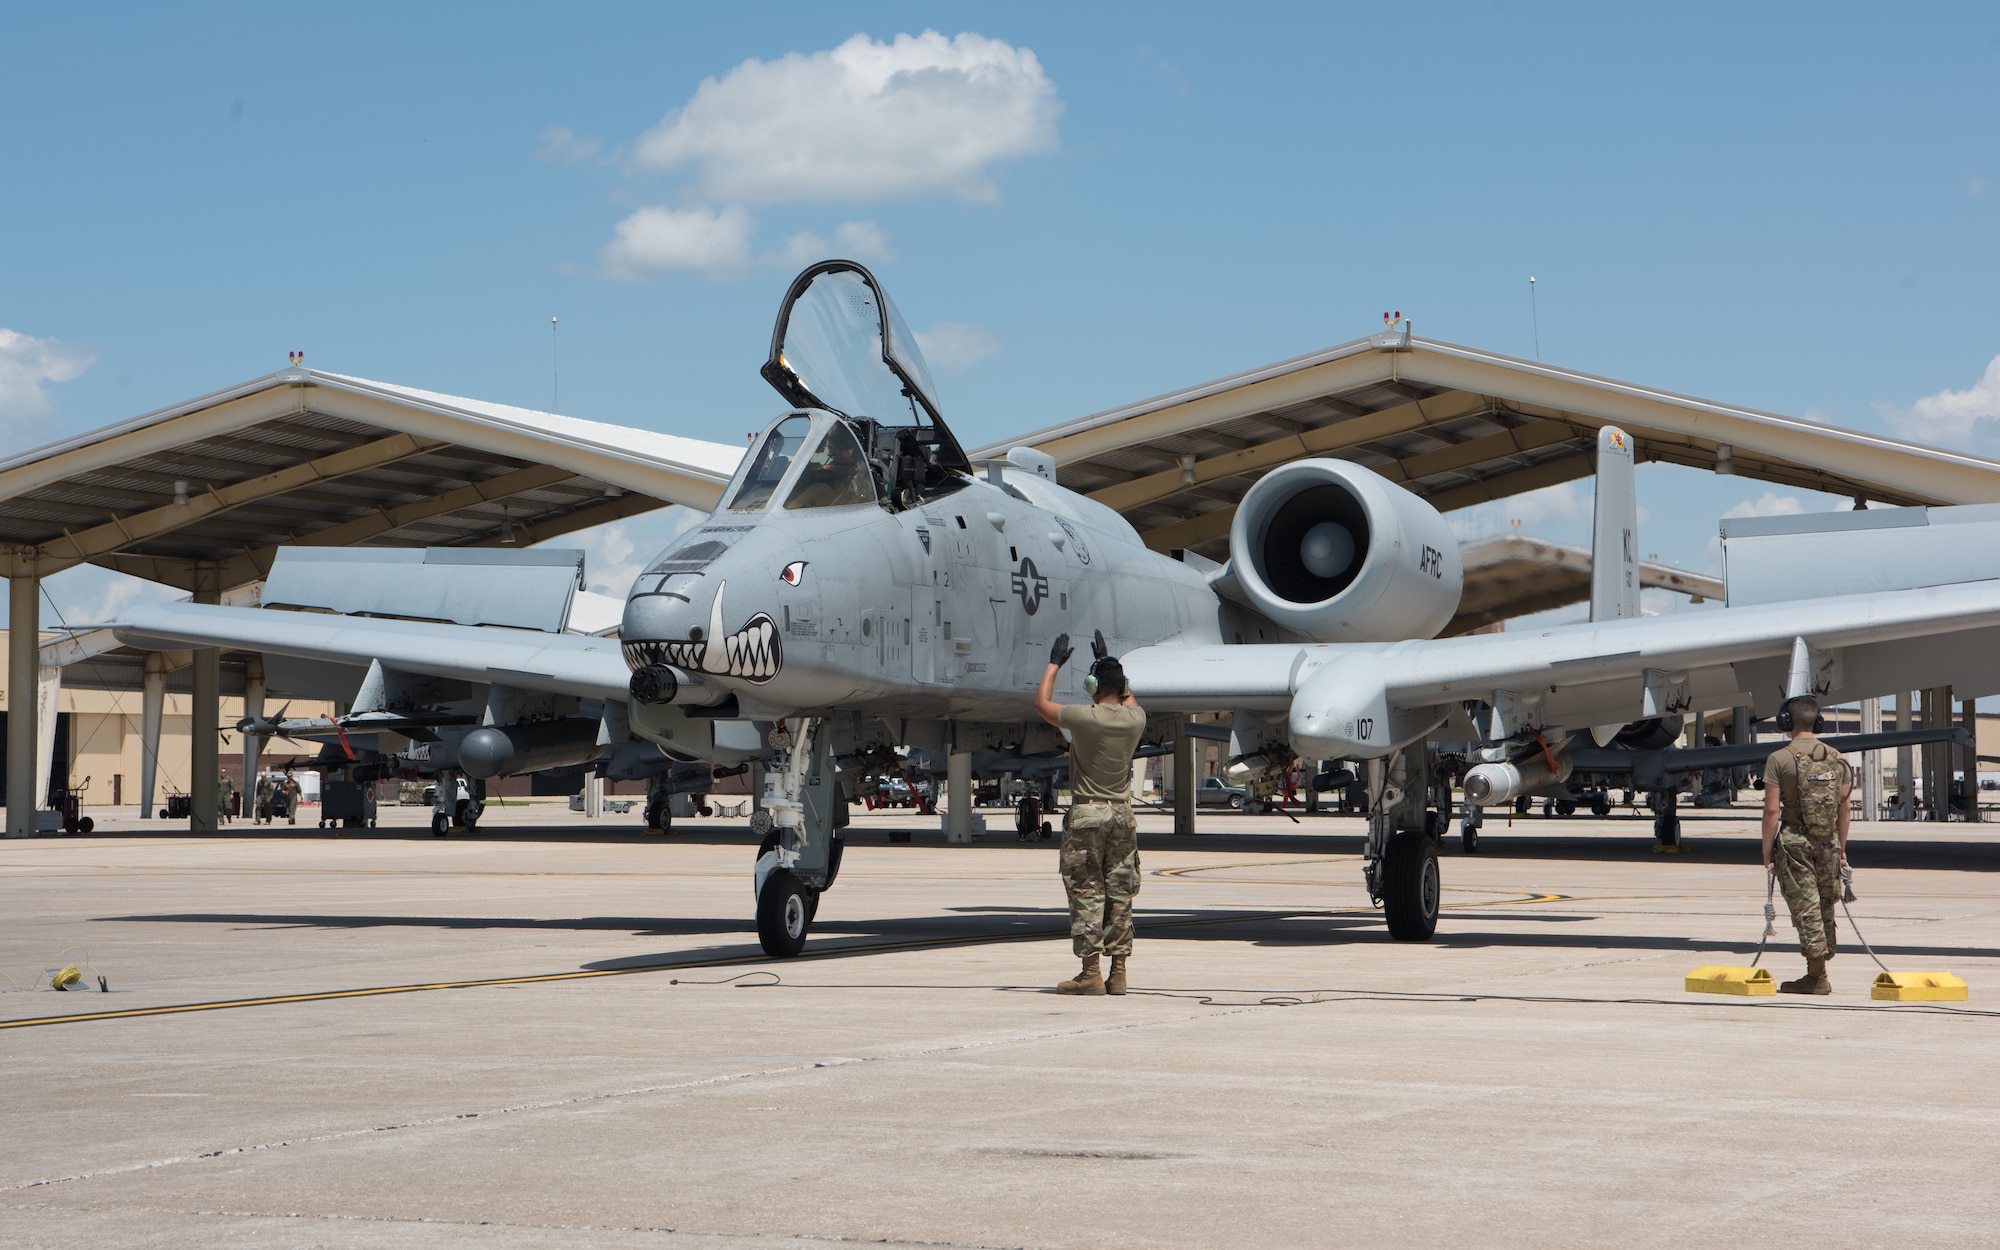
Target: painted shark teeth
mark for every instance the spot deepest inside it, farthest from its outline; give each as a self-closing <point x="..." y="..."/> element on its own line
<point x="754" y="651"/>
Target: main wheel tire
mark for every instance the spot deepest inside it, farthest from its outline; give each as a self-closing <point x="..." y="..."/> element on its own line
<point x="1521" y="805"/>
<point x="1667" y="829"/>
<point x="784" y="913"/>
<point x="440" y="824"/>
<point x="1411" y="886"/>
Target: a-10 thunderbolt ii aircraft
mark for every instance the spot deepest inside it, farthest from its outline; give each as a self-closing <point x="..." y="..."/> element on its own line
<point x="863" y="585"/>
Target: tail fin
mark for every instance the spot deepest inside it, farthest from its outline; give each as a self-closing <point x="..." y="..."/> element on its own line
<point x="1614" y="540"/>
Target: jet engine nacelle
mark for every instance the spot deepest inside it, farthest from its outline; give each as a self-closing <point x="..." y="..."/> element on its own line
<point x="1340" y="554"/>
<point x="503" y="750"/>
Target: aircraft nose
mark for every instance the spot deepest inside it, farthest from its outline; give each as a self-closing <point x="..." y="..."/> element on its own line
<point x="711" y="638"/>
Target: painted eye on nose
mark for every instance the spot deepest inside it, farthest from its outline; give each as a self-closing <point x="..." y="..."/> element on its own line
<point x="794" y="573"/>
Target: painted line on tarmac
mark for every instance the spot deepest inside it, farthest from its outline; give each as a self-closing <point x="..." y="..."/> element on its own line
<point x="584" y="974"/>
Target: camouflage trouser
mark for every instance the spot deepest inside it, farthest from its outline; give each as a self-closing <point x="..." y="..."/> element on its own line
<point x="1809" y="878"/>
<point x="1100" y="869"/>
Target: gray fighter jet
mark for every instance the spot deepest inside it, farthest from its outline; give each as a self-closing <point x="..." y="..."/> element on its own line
<point x="864" y="586"/>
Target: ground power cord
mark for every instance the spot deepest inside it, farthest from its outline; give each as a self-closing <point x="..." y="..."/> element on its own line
<point x="65" y="977"/>
<point x="1236" y="998"/>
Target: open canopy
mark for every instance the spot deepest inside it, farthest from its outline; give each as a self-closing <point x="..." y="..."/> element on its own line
<point x="841" y="345"/>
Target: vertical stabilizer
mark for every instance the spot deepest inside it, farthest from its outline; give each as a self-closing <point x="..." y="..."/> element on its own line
<point x="1614" y="539"/>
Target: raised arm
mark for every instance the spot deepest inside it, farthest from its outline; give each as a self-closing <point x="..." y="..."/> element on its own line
<point x="1046" y="706"/>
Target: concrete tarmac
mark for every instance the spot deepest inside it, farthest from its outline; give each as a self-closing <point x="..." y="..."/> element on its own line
<point x="559" y="1033"/>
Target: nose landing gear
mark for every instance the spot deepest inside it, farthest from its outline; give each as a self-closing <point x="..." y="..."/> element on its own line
<point x="801" y="820"/>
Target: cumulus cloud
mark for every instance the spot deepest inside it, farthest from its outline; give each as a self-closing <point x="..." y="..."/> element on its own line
<point x="564" y="146"/>
<point x="88" y="595"/>
<point x="27" y="365"/>
<point x="952" y="347"/>
<point x="713" y="242"/>
<point x="1968" y="419"/>
<point x="854" y="240"/>
<point x="615" y="554"/>
<point x="920" y="115"/>
<point x="1770" y="503"/>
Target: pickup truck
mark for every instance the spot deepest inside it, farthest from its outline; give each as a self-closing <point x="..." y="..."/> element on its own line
<point x="1212" y="793"/>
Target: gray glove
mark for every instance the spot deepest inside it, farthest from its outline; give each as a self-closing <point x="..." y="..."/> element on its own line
<point x="1060" y="652"/>
<point x="1097" y="648"/>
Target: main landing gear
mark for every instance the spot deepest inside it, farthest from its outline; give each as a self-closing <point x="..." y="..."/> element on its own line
<point x="1666" y="818"/>
<point x="800" y="821"/>
<point x="1401" y="866"/>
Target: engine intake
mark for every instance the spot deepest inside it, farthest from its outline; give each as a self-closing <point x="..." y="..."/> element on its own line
<point x="1338" y="553"/>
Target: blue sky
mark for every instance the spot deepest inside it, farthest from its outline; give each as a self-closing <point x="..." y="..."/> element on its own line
<point x="1795" y="208"/>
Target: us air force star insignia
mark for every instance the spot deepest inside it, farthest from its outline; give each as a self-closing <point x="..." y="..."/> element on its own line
<point x="1031" y="586"/>
<point x="794" y="573"/>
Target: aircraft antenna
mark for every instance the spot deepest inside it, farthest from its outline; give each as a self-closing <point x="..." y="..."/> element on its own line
<point x="555" y="369"/>
<point x="1535" y="311"/>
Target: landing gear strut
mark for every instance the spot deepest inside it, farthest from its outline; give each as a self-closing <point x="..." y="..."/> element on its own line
<point x="1666" y="818"/>
<point x="1402" y="855"/>
<point x="801" y="820"/>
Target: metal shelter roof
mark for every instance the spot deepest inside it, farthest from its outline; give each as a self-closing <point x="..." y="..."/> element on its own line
<point x="1514" y="575"/>
<point x="202" y="494"/>
<point x="1458" y="426"/>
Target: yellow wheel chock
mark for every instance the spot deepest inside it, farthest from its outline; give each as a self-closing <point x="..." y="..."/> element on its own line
<point x="1919" y="987"/>
<point x="1722" y="979"/>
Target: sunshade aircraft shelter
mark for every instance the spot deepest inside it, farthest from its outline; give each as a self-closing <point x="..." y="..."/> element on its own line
<point x="201" y="495"/>
<point x="1458" y="426"/>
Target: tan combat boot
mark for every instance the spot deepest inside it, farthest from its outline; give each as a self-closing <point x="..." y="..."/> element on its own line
<point x="1088" y="981"/>
<point x="1115" y="983"/>
<point x="1813" y="982"/>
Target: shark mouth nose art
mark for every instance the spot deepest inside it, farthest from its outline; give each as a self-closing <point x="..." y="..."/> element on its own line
<point x="753" y="653"/>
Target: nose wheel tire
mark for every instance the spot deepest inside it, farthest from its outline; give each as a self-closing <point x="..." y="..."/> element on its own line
<point x="784" y="913"/>
<point x="1468" y="836"/>
<point x="440" y="824"/>
<point x="1411" y="886"/>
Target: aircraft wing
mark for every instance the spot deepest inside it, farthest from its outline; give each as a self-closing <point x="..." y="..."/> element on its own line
<point x="1676" y="760"/>
<point x="1595" y="673"/>
<point x="576" y="664"/>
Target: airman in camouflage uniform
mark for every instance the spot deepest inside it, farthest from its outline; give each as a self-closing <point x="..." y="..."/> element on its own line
<point x="1806" y="788"/>
<point x="1100" y="847"/>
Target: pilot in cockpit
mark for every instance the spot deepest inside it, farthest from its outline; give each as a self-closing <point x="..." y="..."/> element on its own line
<point x="837" y="474"/>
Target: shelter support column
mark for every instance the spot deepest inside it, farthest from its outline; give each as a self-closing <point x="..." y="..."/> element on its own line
<point x="254" y="689"/>
<point x="1906" y="781"/>
<point x="1185" y="781"/>
<point x="152" y="710"/>
<point x="1936" y="711"/>
<point x="1871" y="762"/>
<point x="205" y="725"/>
<point x="958" y="794"/>
<point x="1969" y="757"/>
<point x="24" y="637"/>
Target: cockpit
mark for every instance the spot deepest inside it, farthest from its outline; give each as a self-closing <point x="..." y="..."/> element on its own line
<point x="835" y="474"/>
<point x="841" y="348"/>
